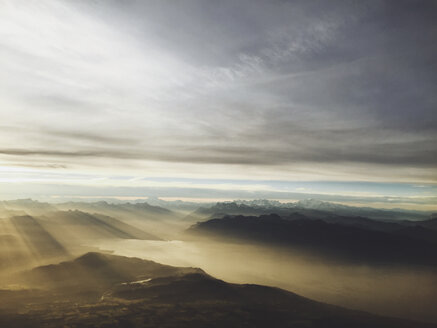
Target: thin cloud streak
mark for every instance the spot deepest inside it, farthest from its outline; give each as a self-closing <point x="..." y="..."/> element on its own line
<point x="402" y="154"/>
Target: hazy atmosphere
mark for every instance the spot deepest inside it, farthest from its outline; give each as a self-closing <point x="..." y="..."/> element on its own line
<point x="286" y="143"/>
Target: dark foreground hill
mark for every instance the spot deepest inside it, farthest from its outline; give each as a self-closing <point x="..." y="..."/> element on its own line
<point x="93" y="273"/>
<point x="138" y="293"/>
<point x="325" y="239"/>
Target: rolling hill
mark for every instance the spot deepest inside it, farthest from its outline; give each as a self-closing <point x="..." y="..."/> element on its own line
<point x="129" y="292"/>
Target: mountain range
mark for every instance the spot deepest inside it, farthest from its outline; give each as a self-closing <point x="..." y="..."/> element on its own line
<point x="358" y="243"/>
<point x="310" y="207"/>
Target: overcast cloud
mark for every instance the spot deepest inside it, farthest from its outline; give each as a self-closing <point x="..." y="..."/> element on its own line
<point x="327" y="90"/>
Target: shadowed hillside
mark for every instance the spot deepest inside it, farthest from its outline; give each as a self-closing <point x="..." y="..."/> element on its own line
<point x="95" y="272"/>
<point x="325" y="239"/>
<point x="129" y="292"/>
<point x="39" y="241"/>
<point x="86" y="225"/>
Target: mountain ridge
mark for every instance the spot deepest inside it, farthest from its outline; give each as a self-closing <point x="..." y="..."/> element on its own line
<point x="172" y="297"/>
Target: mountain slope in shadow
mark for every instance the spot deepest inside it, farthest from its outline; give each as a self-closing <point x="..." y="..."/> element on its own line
<point x="92" y="226"/>
<point x="126" y="210"/>
<point x="321" y="238"/>
<point x="39" y="241"/>
<point x="95" y="272"/>
<point x="366" y="218"/>
<point x="155" y="220"/>
<point x="27" y="241"/>
<point x="139" y="293"/>
<point x="12" y="254"/>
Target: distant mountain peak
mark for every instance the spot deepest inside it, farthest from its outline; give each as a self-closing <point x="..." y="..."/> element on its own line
<point x="312" y="202"/>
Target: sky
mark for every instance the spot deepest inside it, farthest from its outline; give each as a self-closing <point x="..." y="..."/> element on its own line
<point x="219" y="99"/>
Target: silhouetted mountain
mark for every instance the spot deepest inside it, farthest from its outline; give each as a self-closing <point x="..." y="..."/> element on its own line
<point x="311" y="208"/>
<point x="319" y="237"/>
<point x="31" y="241"/>
<point x="12" y="254"/>
<point x="369" y="212"/>
<point x="233" y="208"/>
<point x="420" y="230"/>
<point x="139" y="293"/>
<point x="328" y="212"/>
<point x="35" y="208"/>
<point x="178" y="205"/>
<point x="155" y="220"/>
<point x="95" y="272"/>
<point x="39" y="240"/>
<point x="26" y="242"/>
<point x="27" y="206"/>
<point x="105" y="207"/>
<point x="93" y="226"/>
<point x="429" y="224"/>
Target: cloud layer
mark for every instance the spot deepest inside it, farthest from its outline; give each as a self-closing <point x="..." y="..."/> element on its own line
<point x="314" y="89"/>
